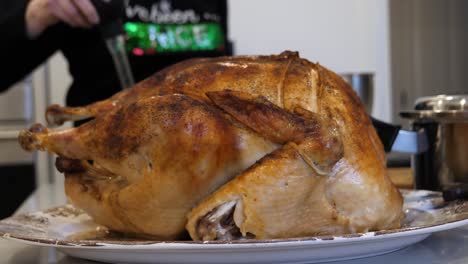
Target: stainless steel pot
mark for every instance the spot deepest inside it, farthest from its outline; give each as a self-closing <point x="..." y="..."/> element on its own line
<point x="444" y="121"/>
<point x="363" y="85"/>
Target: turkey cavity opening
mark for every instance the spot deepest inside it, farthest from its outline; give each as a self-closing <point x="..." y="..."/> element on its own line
<point x="219" y="224"/>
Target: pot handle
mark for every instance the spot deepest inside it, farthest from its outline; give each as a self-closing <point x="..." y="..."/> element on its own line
<point x="458" y="192"/>
<point x="398" y="140"/>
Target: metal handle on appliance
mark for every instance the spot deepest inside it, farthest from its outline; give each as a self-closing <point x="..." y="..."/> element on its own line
<point x="413" y="142"/>
<point x="9" y="134"/>
<point x="116" y="47"/>
<point x="111" y="14"/>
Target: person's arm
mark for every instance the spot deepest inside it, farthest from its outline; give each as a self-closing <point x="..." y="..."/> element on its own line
<point x="19" y="54"/>
<point x="31" y="33"/>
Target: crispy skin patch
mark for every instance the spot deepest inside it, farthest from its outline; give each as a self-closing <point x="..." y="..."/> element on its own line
<point x="125" y="131"/>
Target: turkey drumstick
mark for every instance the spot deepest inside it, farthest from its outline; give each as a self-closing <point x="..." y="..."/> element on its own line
<point x="142" y="167"/>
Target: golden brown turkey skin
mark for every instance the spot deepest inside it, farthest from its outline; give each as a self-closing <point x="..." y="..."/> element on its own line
<point x="166" y="144"/>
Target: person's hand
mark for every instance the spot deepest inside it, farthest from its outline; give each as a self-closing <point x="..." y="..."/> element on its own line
<point x="40" y="14"/>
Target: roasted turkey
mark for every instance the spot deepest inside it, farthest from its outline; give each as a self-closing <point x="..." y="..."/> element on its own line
<point x="226" y="148"/>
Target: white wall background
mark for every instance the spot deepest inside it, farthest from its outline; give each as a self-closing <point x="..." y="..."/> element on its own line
<point x="343" y="35"/>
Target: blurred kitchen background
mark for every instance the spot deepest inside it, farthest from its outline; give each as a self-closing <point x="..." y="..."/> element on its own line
<point x="412" y="48"/>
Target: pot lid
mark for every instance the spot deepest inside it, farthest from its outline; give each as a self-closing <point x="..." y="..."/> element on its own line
<point x="440" y="108"/>
<point x="442" y="103"/>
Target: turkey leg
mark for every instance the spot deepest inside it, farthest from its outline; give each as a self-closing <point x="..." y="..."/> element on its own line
<point x="152" y="161"/>
<point x="70" y="143"/>
<point x="57" y="115"/>
<point x="283" y="194"/>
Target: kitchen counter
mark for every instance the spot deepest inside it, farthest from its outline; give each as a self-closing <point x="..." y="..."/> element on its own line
<point x="401" y="177"/>
<point x="443" y="247"/>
